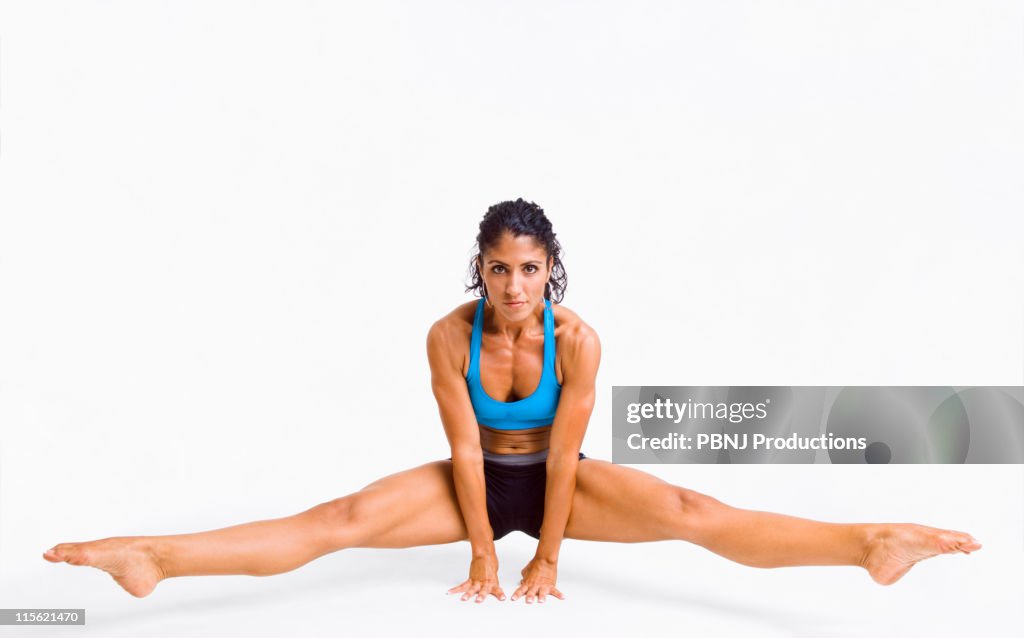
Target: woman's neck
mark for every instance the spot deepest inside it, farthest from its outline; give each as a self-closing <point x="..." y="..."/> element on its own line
<point x="514" y="329"/>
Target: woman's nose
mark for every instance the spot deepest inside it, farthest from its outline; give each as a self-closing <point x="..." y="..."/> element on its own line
<point x="513" y="286"/>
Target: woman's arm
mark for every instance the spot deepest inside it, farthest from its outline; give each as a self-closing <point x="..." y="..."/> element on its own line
<point x="460" y="426"/>
<point x="580" y="361"/>
<point x="581" y="356"/>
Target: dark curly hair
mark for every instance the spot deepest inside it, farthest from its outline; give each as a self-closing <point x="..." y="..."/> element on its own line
<point x="519" y="218"/>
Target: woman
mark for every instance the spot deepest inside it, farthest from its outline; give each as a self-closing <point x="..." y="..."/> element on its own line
<point x="513" y="375"/>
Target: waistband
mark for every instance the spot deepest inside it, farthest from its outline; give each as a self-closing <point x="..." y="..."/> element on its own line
<point x="516" y="459"/>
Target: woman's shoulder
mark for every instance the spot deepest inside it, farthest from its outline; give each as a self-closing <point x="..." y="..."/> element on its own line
<point x="570" y="327"/>
<point x="457" y="322"/>
<point x="449" y="336"/>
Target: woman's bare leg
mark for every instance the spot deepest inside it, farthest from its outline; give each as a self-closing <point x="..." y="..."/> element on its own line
<point x="407" y="509"/>
<point x="622" y="504"/>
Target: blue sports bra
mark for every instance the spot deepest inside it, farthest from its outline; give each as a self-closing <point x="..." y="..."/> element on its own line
<point x="536" y="410"/>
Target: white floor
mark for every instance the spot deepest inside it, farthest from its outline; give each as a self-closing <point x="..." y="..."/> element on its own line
<point x="649" y="589"/>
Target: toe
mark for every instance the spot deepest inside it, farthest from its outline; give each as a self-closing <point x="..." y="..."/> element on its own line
<point x="74" y="554"/>
<point x="59" y="552"/>
<point x="960" y="542"/>
<point x="949" y="543"/>
<point x="52" y="556"/>
<point x="967" y="542"/>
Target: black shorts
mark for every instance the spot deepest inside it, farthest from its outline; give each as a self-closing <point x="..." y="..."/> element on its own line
<point x="515" y="497"/>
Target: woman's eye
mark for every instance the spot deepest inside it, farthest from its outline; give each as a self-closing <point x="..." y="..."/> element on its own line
<point x="530" y="268"/>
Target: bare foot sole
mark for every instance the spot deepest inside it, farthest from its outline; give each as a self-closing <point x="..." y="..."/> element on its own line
<point x="898" y="547"/>
<point x="126" y="559"/>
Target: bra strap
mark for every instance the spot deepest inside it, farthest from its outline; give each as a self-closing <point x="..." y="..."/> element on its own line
<point x="549" y="336"/>
<point x="474" y="342"/>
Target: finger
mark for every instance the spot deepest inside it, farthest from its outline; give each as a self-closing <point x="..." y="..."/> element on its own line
<point x="473" y="589"/>
<point x="458" y="588"/>
<point x="557" y="594"/>
<point x="531" y="593"/>
<point x="496" y="591"/>
<point x="492" y="589"/>
<point x="519" y="592"/>
<point x="542" y="594"/>
<point x="481" y="595"/>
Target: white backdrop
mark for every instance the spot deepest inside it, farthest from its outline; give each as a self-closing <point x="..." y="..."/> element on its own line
<point x="227" y="227"/>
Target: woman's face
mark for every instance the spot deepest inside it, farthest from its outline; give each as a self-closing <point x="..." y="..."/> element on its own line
<point x="515" y="270"/>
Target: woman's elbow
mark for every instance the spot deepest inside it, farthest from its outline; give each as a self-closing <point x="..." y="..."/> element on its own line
<point x="467" y="455"/>
<point x="562" y="457"/>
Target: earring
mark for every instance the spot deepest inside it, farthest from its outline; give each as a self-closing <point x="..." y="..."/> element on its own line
<point x="487" y="299"/>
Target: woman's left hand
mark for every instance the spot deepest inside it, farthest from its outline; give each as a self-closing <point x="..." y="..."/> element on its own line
<point x="538" y="581"/>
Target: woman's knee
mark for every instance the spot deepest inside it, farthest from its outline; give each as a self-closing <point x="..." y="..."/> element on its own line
<point x="342" y="519"/>
<point x="693" y="509"/>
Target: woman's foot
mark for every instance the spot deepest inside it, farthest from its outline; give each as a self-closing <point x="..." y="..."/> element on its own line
<point x="128" y="560"/>
<point x="893" y="549"/>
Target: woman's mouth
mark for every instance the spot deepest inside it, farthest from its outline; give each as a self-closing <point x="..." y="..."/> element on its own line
<point x="514" y="304"/>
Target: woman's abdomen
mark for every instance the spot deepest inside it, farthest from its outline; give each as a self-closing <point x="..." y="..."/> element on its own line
<point x="528" y="441"/>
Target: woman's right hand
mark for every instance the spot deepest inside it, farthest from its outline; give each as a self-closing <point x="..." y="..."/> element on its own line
<point x="483" y="579"/>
